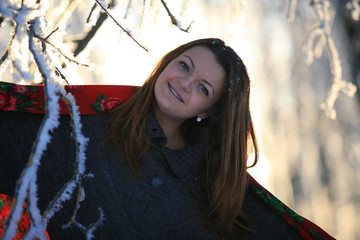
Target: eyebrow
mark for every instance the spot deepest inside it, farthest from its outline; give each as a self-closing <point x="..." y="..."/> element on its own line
<point x="191" y="61"/>
<point x="205" y="81"/>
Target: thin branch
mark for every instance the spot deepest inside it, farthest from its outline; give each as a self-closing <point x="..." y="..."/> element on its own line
<point x="119" y="25"/>
<point x="174" y="21"/>
<point x="354" y="7"/>
<point x="4" y="57"/>
<point x="91" y="13"/>
<point x="127" y="9"/>
<point x="59" y="50"/>
<point x="67" y="11"/>
<point x="52" y="32"/>
<point x="59" y="73"/>
<point x="142" y="13"/>
<point x="291" y="8"/>
<point x="322" y="31"/>
<point x="81" y="44"/>
<point x="1" y="20"/>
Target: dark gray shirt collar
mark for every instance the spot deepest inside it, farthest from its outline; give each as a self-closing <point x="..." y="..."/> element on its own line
<point x="186" y="163"/>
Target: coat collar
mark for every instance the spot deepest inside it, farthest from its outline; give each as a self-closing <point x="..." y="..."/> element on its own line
<point x="185" y="163"/>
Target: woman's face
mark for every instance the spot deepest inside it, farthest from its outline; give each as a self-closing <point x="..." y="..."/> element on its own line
<point x="190" y="85"/>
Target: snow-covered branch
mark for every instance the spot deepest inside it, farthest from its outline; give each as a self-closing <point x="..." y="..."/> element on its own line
<point x="354" y="7"/>
<point x="28" y="40"/>
<point x="321" y="32"/>
<point x="291" y="8"/>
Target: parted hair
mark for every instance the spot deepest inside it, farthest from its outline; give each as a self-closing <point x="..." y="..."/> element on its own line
<point x="230" y="143"/>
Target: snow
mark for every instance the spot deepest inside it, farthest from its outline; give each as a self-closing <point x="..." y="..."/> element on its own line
<point x="25" y="51"/>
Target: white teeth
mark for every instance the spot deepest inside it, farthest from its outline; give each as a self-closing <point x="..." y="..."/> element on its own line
<point x="175" y="93"/>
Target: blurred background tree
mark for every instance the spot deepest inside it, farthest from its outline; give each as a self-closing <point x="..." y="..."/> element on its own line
<point x="303" y="58"/>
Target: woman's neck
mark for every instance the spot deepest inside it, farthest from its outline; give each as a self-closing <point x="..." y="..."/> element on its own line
<point x="172" y="130"/>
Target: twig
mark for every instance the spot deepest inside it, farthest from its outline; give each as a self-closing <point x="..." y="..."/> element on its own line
<point x="119" y="25"/>
<point x="82" y="43"/>
<point x="52" y="32"/>
<point x="1" y="20"/>
<point x="174" y="21"/>
<point x="127" y="9"/>
<point x="59" y="50"/>
<point x="4" y="57"/>
<point x="142" y="13"/>
<point x="291" y="8"/>
<point x="67" y="11"/>
<point x="91" y="12"/>
<point x="59" y="73"/>
<point x="322" y="30"/>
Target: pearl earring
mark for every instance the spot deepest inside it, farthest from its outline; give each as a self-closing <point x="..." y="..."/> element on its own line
<point x="198" y="119"/>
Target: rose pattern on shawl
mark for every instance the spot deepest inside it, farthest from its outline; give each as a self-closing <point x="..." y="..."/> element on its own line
<point x="7" y="102"/>
<point x="75" y="88"/>
<point x="104" y="103"/>
<point x="19" y="98"/>
<point x="6" y="204"/>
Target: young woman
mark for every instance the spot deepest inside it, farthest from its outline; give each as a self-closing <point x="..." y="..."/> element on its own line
<point x="198" y="92"/>
<point x="167" y="164"/>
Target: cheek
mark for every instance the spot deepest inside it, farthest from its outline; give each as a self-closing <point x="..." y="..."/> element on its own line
<point x="159" y="84"/>
<point x="201" y="104"/>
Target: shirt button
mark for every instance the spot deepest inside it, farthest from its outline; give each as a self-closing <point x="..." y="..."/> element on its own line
<point x="156" y="181"/>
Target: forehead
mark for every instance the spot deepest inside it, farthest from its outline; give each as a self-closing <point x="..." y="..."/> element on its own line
<point x="202" y="54"/>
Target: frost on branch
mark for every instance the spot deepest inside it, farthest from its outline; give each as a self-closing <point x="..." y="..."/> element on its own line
<point x="354" y="7"/>
<point x="291" y="8"/>
<point x="30" y="50"/>
<point x="318" y="39"/>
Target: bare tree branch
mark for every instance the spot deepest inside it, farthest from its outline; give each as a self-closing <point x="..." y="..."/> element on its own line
<point x="91" y="12"/>
<point x="127" y="9"/>
<point x="4" y="57"/>
<point x="59" y="73"/>
<point x="117" y="23"/>
<point x="291" y="8"/>
<point x="174" y="21"/>
<point x="322" y="31"/>
<point x="59" y="50"/>
<point x="1" y="20"/>
<point x="82" y="43"/>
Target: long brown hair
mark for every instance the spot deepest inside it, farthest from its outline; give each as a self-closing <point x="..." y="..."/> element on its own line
<point x="230" y="129"/>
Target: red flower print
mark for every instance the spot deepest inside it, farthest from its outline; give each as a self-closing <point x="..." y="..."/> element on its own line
<point x="5" y="212"/>
<point x="24" y="222"/>
<point x="7" y="102"/>
<point x="6" y="204"/>
<point x="110" y="103"/>
<point x="75" y="88"/>
<point x="21" y="89"/>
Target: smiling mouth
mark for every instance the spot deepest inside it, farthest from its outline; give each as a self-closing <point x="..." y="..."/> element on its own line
<point x="175" y="93"/>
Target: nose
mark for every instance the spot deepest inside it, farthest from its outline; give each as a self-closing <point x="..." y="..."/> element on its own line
<point x="186" y="83"/>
